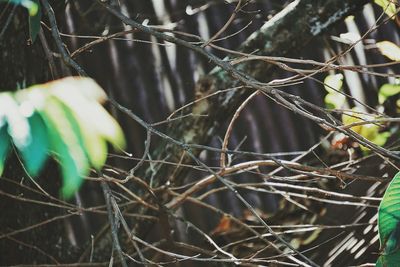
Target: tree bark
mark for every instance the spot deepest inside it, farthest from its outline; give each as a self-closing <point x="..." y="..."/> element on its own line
<point x="288" y="32"/>
<point x="284" y="35"/>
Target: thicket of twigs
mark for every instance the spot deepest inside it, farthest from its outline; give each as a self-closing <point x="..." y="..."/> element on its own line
<point x="235" y="156"/>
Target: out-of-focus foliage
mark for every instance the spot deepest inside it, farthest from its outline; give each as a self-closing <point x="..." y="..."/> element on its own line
<point x="388" y="7"/>
<point x="35" y="15"/>
<point x="31" y="5"/>
<point x="370" y="131"/>
<point x="333" y="84"/>
<point x="389" y="50"/>
<point x="63" y="118"/>
<point x="34" y="22"/>
<point x="388" y="90"/>
<point x="389" y="225"/>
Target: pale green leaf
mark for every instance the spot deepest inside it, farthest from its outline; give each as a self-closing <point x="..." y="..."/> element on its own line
<point x="85" y="87"/>
<point x="333" y="83"/>
<point x="95" y="145"/>
<point x="90" y="116"/>
<point x="388" y="90"/>
<point x="388" y="7"/>
<point x="108" y="127"/>
<point x="79" y="94"/>
<point x="350" y="37"/>
<point x="18" y="126"/>
<point x="65" y="145"/>
<point x="335" y="100"/>
<point x="389" y="50"/>
<point x="381" y="138"/>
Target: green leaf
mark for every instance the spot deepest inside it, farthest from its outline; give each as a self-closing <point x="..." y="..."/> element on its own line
<point x="333" y="83"/>
<point x="65" y="145"/>
<point x="388" y="7"/>
<point x="35" y="154"/>
<point x="79" y="107"/>
<point x="34" y="22"/>
<point x="5" y="145"/>
<point x="388" y="260"/>
<point x="335" y="100"/>
<point x="28" y="4"/>
<point x="95" y="145"/>
<point x="381" y="138"/>
<point x="393" y="242"/>
<point x="388" y="90"/>
<point x="78" y="94"/>
<point x="351" y="118"/>
<point x="389" y="217"/>
<point x="18" y="126"/>
<point x="389" y="50"/>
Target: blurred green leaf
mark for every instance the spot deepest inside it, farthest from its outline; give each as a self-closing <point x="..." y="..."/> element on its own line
<point x="391" y="260"/>
<point x="389" y="50"/>
<point x="35" y="154"/>
<point x="389" y="217"/>
<point x="388" y="90"/>
<point x="18" y="126"/>
<point x="79" y="106"/>
<point x="108" y="127"/>
<point x="34" y="22"/>
<point x="5" y="145"/>
<point x="65" y="145"/>
<point x="63" y="118"/>
<point x="333" y="83"/>
<point x="388" y="7"/>
<point x="28" y="4"/>
<point x="79" y="98"/>
<point x="351" y="118"/>
<point x="369" y="131"/>
<point x="95" y="146"/>
<point x="335" y="100"/>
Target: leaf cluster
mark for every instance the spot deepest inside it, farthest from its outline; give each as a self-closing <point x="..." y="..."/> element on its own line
<point x="63" y="119"/>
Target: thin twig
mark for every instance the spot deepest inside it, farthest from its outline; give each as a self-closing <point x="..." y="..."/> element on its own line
<point x="56" y="36"/>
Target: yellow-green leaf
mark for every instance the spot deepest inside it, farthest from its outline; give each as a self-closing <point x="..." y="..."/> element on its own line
<point x="95" y="124"/>
<point x="348" y="119"/>
<point x="333" y="83"/>
<point x="85" y="87"/>
<point x="78" y="94"/>
<point x="335" y="100"/>
<point x="388" y="7"/>
<point x="95" y="145"/>
<point x="65" y="145"/>
<point x="389" y="50"/>
<point x="388" y="90"/>
<point x="108" y="127"/>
